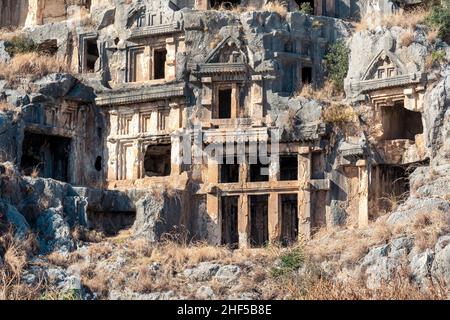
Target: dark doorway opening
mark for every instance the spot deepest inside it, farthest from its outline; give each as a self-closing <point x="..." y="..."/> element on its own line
<point x="288" y="167"/>
<point x="224" y="105"/>
<point x="306" y="75"/>
<point x="48" y="47"/>
<point x="259" y="220"/>
<point x="259" y="172"/>
<point x="46" y="156"/>
<point x="91" y="54"/>
<point x="110" y="223"/>
<point x="157" y="161"/>
<point x="225" y="4"/>
<point x="289" y="218"/>
<point x="98" y="163"/>
<point x="230" y="234"/>
<point x="229" y="172"/>
<point x="400" y="123"/>
<point x="159" y="65"/>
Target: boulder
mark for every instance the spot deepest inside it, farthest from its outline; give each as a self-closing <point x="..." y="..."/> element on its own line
<point x="4" y="55"/>
<point x="155" y="215"/>
<point x="227" y="273"/>
<point x="55" y="84"/>
<point x="53" y="231"/>
<point x="18" y="221"/>
<point x="205" y="293"/>
<point x="203" y="271"/>
<point x="440" y="269"/>
<point x="420" y="266"/>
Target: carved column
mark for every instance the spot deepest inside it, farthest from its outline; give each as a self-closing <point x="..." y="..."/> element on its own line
<point x="257" y="98"/>
<point x="213" y="203"/>
<point x="135" y="161"/>
<point x="243" y="221"/>
<point x="304" y="196"/>
<point x="273" y="217"/>
<point x="170" y="60"/>
<point x="207" y="97"/>
<point x="175" y="156"/>
<point x="363" y="192"/>
<point x="234" y="101"/>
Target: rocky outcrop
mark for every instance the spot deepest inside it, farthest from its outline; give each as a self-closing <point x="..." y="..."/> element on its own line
<point x="53" y="232"/>
<point x="156" y="214"/>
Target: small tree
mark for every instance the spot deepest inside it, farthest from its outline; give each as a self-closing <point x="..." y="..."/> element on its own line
<point x="336" y="63"/>
<point x="439" y="18"/>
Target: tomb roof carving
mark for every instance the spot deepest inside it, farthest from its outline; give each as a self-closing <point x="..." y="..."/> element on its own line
<point x="385" y="70"/>
<point x="129" y="95"/>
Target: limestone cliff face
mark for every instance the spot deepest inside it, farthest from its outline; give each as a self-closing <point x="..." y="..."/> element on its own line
<point x="100" y="144"/>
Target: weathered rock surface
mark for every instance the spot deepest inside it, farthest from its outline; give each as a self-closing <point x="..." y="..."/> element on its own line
<point x="53" y="231"/>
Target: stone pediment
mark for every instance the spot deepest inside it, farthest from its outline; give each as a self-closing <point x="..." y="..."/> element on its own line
<point x="225" y="60"/>
<point x="384" y="71"/>
<point x="384" y="65"/>
<point x="227" y="51"/>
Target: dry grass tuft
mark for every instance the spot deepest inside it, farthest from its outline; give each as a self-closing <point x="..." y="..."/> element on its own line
<point x="428" y="227"/>
<point x="32" y="65"/>
<point x="15" y="257"/>
<point x="276" y="6"/>
<point x="398" y="288"/>
<point x="408" y="20"/>
<point x="80" y="233"/>
<point x="407" y="37"/>
<point x="328" y="92"/>
<point x="432" y="35"/>
<point x="7" y="34"/>
<point x="339" y="114"/>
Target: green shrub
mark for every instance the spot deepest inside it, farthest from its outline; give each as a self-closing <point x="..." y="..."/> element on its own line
<point x="439" y="18"/>
<point x="435" y="59"/>
<point x="289" y="262"/>
<point x="20" y="45"/>
<point x="306" y="8"/>
<point x="336" y="63"/>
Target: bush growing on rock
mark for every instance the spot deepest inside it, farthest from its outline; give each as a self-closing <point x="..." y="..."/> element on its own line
<point x="439" y="18"/>
<point x="20" y="45"/>
<point x="336" y="61"/>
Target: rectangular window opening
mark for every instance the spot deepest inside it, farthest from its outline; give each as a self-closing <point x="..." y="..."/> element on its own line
<point x="288" y="167"/>
<point x="259" y="220"/>
<point x="230" y="234"/>
<point x="157" y="161"/>
<point x="289" y="218"/>
<point x="229" y="170"/>
<point x="224" y="105"/>
<point x="159" y="64"/>
<point x="91" y="55"/>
